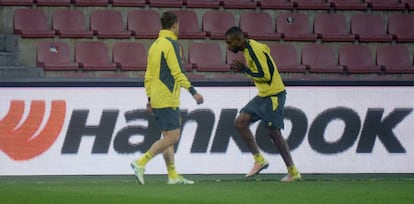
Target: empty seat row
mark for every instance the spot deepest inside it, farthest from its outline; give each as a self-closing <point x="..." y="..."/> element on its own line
<point x="207" y="57"/>
<point x="365" y="27"/>
<point x="232" y="4"/>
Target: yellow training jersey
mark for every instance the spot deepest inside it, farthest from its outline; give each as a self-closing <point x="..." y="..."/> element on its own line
<point x="165" y="76"/>
<point x="262" y="69"/>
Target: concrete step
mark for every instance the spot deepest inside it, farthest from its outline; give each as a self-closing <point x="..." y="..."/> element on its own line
<point x="7" y="72"/>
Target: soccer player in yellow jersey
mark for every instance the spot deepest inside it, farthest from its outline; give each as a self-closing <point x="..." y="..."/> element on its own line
<point x="163" y="81"/>
<point x="267" y="106"/>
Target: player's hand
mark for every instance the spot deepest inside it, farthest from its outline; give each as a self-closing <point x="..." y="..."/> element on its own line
<point x="198" y="98"/>
<point x="149" y="107"/>
<point x="237" y="65"/>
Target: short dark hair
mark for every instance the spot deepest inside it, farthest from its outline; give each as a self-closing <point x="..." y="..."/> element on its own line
<point x="168" y="19"/>
<point x="234" y="31"/>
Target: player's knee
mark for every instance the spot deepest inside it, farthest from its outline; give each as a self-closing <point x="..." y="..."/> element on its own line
<point x="239" y="123"/>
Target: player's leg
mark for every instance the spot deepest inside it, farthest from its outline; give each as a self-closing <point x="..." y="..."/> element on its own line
<point x="173" y="176"/>
<point x="170" y="123"/>
<point x="242" y="124"/>
<point x="284" y="150"/>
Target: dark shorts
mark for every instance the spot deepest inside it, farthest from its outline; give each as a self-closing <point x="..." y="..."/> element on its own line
<point x="268" y="109"/>
<point x="168" y="118"/>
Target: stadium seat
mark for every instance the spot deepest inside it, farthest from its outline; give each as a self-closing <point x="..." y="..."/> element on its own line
<point x="239" y="4"/>
<point x="166" y="3"/>
<point x="207" y="57"/>
<point x="108" y="24"/>
<point x="286" y="58"/>
<point x="401" y="27"/>
<point x="17" y="2"/>
<point x="70" y="23"/>
<point x="93" y="56"/>
<point x="129" y="56"/>
<point x="189" y="27"/>
<point x="357" y="59"/>
<point x="133" y="3"/>
<point x="320" y="58"/>
<point x="55" y="56"/>
<point x="294" y="26"/>
<point x="202" y="3"/>
<point x="332" y="27"/>
<point x="395" y="59"/>
<point x="144" y="23"/>
<point x="216" y="23"/>
<point x="409" y="4"/>
<point x="259" y="31"/>
<point x="53" y="2"/>
<point x="312" y="4"/>
<point x="386" y="5"/>
<point x="348" y="4"/>
<point x="188" y="67"/>
<point x="91" y="2"/>
<point x="31" y="23"/>
<point x="369" y="27"/>
<point x="275" y="4"/>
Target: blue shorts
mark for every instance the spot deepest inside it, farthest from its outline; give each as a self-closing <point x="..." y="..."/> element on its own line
<point x="269" y="109"/>
<point x="168" y="118"/>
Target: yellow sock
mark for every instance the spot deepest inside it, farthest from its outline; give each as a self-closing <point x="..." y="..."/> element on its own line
<point x="145" y="159"/>
<point x="258" y="158"/>
<point x="292" y="170"/>
<point x="172" y="173"/>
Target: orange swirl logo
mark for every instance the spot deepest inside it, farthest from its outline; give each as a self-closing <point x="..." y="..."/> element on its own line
<point x="19" y="142"/>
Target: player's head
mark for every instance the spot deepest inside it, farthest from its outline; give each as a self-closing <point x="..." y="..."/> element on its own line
<point x="169" y="21"/>
<point x="235" y="39"/>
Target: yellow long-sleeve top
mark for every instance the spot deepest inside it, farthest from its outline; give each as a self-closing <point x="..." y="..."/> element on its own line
<point x="262" y="69"/>
<point x="165" y="76"/>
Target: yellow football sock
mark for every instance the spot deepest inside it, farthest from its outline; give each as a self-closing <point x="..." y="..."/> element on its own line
<point x="172" y="173"/>
<point x="292" y="170"/>
<point x="258" y="158"/>
<point x="145" y="159"/>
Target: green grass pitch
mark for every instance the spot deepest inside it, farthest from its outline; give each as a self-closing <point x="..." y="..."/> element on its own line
<point x="214" y="189"/>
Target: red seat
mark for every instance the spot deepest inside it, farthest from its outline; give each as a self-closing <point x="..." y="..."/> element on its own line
<point x="17" y="2"/>
<point x="203" y="3"/>
<point x="133" y="3"/>
<point x="55" y="56"/>
<point x="144" y="23"/>
<point x="188" y="67"/>
<point x="93" y="56"/>
<point x="53" y="2"/>
<point x="394" y="58"/>
<point x="108" y="24"/>
<point x="286" y="58"/>
<point x="207" y="57"/>
<point x="70" y="23"/>
<point x="189" y="27"/>
<point x="385" y="4"/>
<point x="294" y="26"/>
<point x="357" y="59"/>
<point x="349" y="4"/>
<point x="369" y="28"/>
<point x="239" y="4"/>
<point x="311" y="4"/>
<point x="216" y="23"/>
<point x="129" y="56"/>
<point x="166" y="3"/>
<point x="91" y="2"/>
<point x="332" y="27"/>
<point x="259" y="31"/>
<point x="31" y="23"/>
<point x="275" y="4"/>
<point x="320" y="58"/>
<point x="401" y="27"/>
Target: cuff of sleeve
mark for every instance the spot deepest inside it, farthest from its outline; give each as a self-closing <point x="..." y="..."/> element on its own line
<point x="192" y="90"/>
<point x="244" y="69"/>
